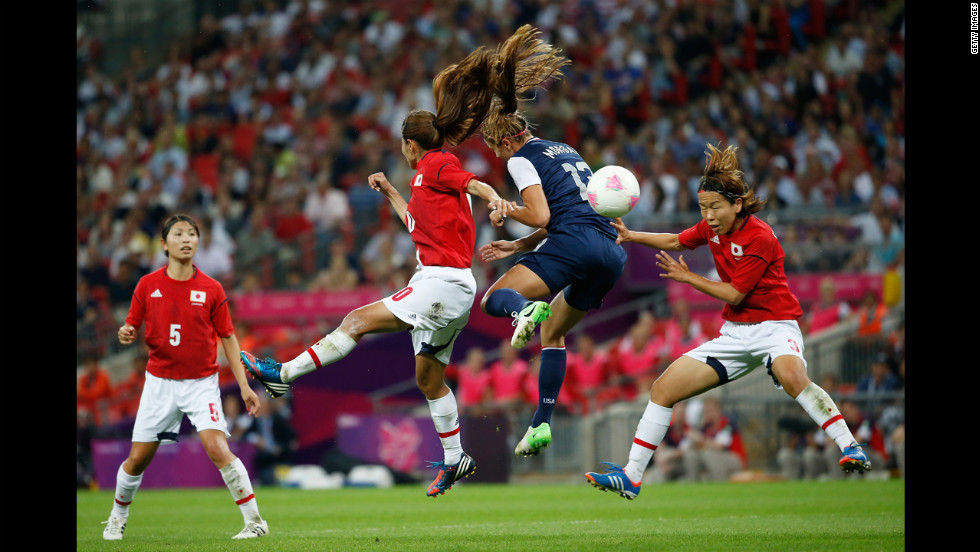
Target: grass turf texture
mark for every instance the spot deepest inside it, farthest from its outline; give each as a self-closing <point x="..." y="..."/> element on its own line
<point x="844" y="515"/>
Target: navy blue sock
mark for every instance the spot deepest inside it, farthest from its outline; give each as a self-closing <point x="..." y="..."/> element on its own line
<point x="505" y="301"/>
<point x="550" y="376"/>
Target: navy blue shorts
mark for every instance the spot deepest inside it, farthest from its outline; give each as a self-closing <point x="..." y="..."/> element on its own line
<point x="580" y="260"/>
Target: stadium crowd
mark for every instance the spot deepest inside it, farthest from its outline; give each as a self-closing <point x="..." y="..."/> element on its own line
<point x="265" y="122"/>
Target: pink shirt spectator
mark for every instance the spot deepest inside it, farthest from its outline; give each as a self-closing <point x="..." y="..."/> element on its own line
<point x="473" y="386"/>
<point x="508" y="381"/>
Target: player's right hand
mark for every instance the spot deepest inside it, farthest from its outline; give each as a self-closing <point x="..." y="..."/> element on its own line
<point x="379" y="183"/>
<point x="126" y="334"/>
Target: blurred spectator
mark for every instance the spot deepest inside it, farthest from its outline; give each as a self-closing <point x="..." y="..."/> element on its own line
<point x="827" y="310"/>
<point x="327" y="208"/>
<point x="239" y="422"/>
<point x="214" y="258"/>
<point x="880" y="380"/>
<point x="587" y="371"/>
<point x="886" y="252"/>
<point x="716" y="452"/>
<point x="274" y="438"/>
<point x="640" y="355"/>
<point x="257" y="242"/>
<point x="870" y="314"/>
<point x="388" y="249"/>
<point x="507" y="375"/>
<point x="94" y="389"/>
<point x="126" y="394"/>
<point x="339" y="275"/>
<point x="474" y="386"/>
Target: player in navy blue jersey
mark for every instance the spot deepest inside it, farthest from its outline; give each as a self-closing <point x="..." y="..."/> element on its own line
<point x="572" y="255"/>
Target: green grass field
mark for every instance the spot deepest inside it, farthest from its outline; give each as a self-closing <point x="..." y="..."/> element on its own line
<point x="848" y="515"/>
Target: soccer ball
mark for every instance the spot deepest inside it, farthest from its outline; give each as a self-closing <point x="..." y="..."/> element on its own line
<point x="613" y="191"/>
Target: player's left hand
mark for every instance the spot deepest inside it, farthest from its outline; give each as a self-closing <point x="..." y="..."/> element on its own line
<point x="252" y="404"/>
<point x="675" y="270"/>
<point x="498" y="249"/>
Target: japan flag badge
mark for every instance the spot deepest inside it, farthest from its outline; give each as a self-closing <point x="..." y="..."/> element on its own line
<point x="198" y="297"/>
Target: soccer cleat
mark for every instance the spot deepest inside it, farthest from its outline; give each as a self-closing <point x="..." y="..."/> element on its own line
<point x="253" y="530"/>
<point x="854" y="460"/>
<point x="536" y="439"/>
<point x="114" y="528"/>
<point x="528" y="319"/>
<point x="450" y="474"/>
<point x="267" y="372"/>
<point x="614" y="480"/>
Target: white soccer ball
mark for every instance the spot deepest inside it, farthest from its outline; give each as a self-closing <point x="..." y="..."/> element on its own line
<point x="613" y="191"/>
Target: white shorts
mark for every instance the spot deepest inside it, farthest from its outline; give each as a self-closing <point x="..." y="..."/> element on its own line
<point x="165" y="401"/>
<point x="437" y="303"/>
<point x="743" y="346"/>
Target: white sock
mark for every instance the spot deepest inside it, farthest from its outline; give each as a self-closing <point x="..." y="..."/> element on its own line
<point x="823" y="411"/>
<point x="446" y="420"/>
<point x="126" y="487"/>
<point x="236" y="478"/>
<point x="650" y="431"/>
<point x="333" y="347"/>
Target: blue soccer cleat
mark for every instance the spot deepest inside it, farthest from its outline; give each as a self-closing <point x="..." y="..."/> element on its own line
<point x="614" y="480"/>
<point x="267" y="372"/>
<point x="854" y="459"/>
<point x="450" y="474"/>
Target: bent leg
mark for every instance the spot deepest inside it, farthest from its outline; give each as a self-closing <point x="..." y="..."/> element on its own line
<point x="372" y="318"/>
<point x="512" y="290"/>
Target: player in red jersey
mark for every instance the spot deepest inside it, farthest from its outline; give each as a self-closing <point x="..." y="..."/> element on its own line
<point x="435" y="305"/>
<point x="185" y="313"/>
<point x="760" y="325"/>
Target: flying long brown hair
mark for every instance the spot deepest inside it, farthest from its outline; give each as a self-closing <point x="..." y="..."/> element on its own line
<point x="484" y="88"/>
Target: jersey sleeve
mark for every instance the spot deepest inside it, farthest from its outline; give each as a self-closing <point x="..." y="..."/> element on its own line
<point x="452" y="177"/>
<point x="137" y="305"/>
<point x="221" y="314"/>
<point x="523" y="172"/>
<point x="694" y="236"/>
<point x="756" y="257"/>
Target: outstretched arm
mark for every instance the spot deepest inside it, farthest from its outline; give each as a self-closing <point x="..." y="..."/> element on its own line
<point x="499" y="207"/>
<point x="664" y="242"/>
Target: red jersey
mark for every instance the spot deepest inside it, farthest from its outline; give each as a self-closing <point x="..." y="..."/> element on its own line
<point x="439" y="216"/>
<point x="749" y="258"/>
<point x="183" y="321"/>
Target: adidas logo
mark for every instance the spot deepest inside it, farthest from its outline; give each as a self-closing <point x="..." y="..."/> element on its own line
<point x="715" y="239"/>
<point x="156" y="294"/>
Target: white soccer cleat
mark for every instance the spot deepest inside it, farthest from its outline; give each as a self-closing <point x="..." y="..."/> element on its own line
<point x="253" y="530"/>
<point x="527" y="320"/>
<point x="114" y="528"/>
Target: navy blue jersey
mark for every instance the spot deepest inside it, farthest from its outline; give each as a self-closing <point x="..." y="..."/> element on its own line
<point x="563" y="176"/>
